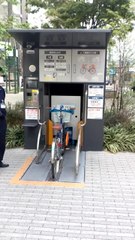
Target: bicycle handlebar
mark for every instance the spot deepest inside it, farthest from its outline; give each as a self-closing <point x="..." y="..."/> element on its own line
<point x="62" y="110"/>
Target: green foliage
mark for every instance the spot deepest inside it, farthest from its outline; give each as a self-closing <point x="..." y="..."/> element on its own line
<point x="8" y="22"/>
<point x="132" y="84"/>
<point x="119" y="130"/>
<point x="114" y="14"/>
<point x="119" y="138"/>
<point x="69" y="14"/>
<point x="15" y="115"/>
<point x="112" y="118"/>
<point x="15" y="136"/>
<point x="15" y="131"/>
<point x="21" y="25"/>
<point x="9" y="1"/>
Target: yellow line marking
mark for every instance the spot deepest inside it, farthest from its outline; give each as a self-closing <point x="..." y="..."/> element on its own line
<point x="22" y="170"/>
<point x="17" y="179"/>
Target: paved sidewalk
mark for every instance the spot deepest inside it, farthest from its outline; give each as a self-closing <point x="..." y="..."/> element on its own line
<point x="103" y="209"/>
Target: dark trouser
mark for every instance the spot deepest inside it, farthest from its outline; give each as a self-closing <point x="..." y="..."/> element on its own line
<point x="3" y="128"/>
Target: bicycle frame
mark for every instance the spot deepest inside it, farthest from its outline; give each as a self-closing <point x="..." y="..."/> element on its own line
<point x="60" y="133"/>
<point x="58" y="144"/>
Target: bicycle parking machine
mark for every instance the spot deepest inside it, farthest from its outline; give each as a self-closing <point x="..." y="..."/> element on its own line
<point x="64" y="66"/>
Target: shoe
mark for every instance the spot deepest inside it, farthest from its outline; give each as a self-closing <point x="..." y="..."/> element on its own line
<point x="3" y="165"/>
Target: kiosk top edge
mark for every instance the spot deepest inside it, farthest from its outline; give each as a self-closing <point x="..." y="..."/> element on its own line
<point x="62" y="38"/>
<point x="60" y="30"/>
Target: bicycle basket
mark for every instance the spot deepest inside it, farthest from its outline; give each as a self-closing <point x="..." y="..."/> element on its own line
<point x="56" y="116"/>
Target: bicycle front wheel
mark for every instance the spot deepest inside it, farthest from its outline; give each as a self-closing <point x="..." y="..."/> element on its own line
<point x="55" y="160"/>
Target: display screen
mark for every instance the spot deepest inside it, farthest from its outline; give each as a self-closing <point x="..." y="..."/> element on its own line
<point x="32" y="84"/>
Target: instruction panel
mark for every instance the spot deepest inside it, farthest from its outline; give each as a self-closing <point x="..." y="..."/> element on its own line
<point x="31" y="113"/>
<point x="55" y="65"/>
<point x="88" y="65"/>
<point x="95" y="102"/>
<point x="76" y="65"/>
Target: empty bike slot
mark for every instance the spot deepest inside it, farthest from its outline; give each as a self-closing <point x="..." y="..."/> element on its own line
<point x="79" y="143"/>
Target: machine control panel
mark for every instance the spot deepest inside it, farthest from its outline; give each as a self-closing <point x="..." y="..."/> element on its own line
<point x="55" y="65"/>
<point x="77" y="65"/>
<point x="31" y="98"/>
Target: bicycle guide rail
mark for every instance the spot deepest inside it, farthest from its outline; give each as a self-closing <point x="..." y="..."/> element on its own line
<point x="78" y="145"/>
<point x="38" y="153"/>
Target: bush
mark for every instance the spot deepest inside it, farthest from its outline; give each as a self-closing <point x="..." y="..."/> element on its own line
<point x="15" y="137"/>
<point x="119" y="138"/>
<point x="113" y="118"/>
<point x="119" y="130"/>
<point x="15" y="131"/>
<point x="15" y="114"/>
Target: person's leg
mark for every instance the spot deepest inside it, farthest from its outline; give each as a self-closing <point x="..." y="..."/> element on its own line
<point x="2" y="142"/>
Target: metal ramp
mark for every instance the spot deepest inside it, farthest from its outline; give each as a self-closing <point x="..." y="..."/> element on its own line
<point x="68" y="170"/>
<point x="72" y="167"/>
<point x="41" y="171"/>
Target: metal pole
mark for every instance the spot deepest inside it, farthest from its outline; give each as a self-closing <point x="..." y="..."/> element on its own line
<point x="14" y="69"/>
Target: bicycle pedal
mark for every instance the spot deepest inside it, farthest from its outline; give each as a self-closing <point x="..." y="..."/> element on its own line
<point x="67" y="148"/>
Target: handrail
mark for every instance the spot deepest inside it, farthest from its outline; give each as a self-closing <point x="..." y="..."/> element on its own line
<point x="39" y="134"/>
<point x="78" y="150"/>
<point x="85" y="109"/>
<point x="78" y="146"/>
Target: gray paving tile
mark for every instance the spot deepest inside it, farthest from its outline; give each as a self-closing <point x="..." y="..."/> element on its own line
<point x="104" y="209"/>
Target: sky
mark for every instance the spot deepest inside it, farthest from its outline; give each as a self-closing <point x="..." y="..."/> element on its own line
<point x="37" y="19"/>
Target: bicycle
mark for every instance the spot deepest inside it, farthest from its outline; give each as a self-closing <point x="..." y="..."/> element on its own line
<point x="91" y="68"/>
<point x="60" y="140"/>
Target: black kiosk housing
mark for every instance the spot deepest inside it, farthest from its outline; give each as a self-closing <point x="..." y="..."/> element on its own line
<point x="64" y="62"/>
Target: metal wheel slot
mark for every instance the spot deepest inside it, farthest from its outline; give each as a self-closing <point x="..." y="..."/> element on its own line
<point x="50" y="177"/>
